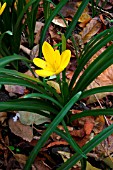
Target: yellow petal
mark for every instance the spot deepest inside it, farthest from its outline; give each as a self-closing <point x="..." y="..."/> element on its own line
<point x="48" y="53"/>
<point x="59" y="70"/>
<point x="2" y="8"/>
<point x="44" y="73"/>
<point x="57" y="59"/>
<point x="65" y="59"/>
<point x="39" y="62"/>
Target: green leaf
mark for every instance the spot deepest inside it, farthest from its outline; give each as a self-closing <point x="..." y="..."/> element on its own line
<point x="31" y="105"/>
<point x="95" y="112"/>
<point x="6" y="60"/>
<point x="103" y="61"/>
<point x="50" y="129"/>
<point x="90" y="49"/>
<point x="31" y="21"/>
<point x="102" y="89"/>
<point x="48" y="22"/>
<point x="44" y="96"/>
<point x="73" y="23"/>
<point x="9" y="80"/>
<point x="87" y="148"/>
<point x="1" y="38"/>
<point x="34" y="83"/>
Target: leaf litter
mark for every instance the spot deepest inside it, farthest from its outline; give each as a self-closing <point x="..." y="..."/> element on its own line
<point x="24" y="133"/>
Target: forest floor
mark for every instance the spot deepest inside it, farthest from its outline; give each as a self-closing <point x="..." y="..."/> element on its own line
<point x="18" y="137"/>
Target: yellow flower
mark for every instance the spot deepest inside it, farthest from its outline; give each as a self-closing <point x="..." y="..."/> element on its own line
<point x="54" y="63"/>
<point x="2" y="7"/>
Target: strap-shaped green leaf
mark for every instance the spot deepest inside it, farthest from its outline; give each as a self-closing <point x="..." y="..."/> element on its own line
<point x="102" y="89"/>
<point x="98" y="42"/>
<point x="72" y="25"/>
<point x="94" y="69"/>
<point x="39" y="85"/>
<point x="50" y="129"/>
<point x="95" y="112"/>
<point x="48" y="22"/>
<point x="6" y="60"/>
<point x="31" y="105"/>
<point x="87" y="148"/>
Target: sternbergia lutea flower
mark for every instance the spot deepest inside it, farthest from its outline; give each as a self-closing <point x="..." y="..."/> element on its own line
<point x="54" y="62"/>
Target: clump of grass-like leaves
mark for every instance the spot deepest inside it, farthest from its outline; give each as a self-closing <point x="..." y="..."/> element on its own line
<point x="45" y="97"/>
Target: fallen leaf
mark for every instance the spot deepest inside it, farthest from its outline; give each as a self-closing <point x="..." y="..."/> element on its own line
<point x="38" y="26"/>
<point x="23" y="131"/>
<point x="15" y="89"/>
<point x="3" y="116"/>
<point x="99" y="124"/>
<point x="90" y="167"/>
<point x="55" y="85"/>
<point x="25" y="49"/>
<point x="105" y="148"/>
<point x="53" y="33"/>
<point x="85" y="17"/>
<point x="69" y="9"/>
<point x="21" y="158"/>
<point x="109" y="161"/>
<point x="65" y="155"/>
<point x="29" y="118"/>
<point x="90" y="30"/>
<point x="104" y="79"/>
<point x="40" y="165"/>
<point x="38" y="29"/>
<point x="89" y="124"/>
<point x="60" y="22"/>
<point x="57" y="143"/>
<point x="34" y="52"/>
<point x="78" y="133"/>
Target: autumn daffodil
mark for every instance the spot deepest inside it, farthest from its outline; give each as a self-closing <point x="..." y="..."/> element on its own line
<point x="2" y="7"/>
<point x="54" y="63"/>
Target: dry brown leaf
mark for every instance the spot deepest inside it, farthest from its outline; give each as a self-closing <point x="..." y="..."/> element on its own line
<point x="29" y="118"/>
<point x="99" y="124"/>
<point x="105" y="148"/>
<point x="55" y="85"/>
<point x="53" y="33"/>
<point x="109" y="161"/>
<point x="90" y="167"/>
<point x="90" y="30"/>
<point x="21" y="158"/>
<point x="25" y="49"/>
<point x="38" y="26"/>
<point x="40" y="165"/>
<point x="34" y="52"/>
<point x="60" y="22"/>
<point x="82" y="141"/>
<point x="57" y="143"/>
<point x="104" y="79"/>
<point x="65" y="155"/>
<point x="78" y="133"/>
<point x="23" y="131"/>
<point x="38" y="29"/>
<point x="3" y="116"/>
<point x="69" y="9"/>
<point x="85" y="17"/>
<point x="15" y="89"/>
<point x="88" y="125"/>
